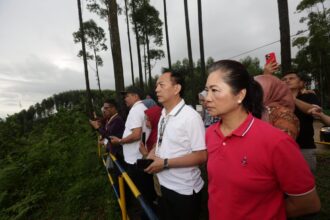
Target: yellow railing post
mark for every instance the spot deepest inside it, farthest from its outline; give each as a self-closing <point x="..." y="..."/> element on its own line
<point x="122" y="197"/>
<point x="99" y="146"/>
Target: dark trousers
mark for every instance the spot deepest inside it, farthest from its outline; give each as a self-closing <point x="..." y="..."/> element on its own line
<point x="145" y="184"/>
<point x="180" y="207"/>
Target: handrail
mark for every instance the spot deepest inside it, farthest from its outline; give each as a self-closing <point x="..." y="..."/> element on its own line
<point x="322" y="142"/>
<point x="121" y="195"/>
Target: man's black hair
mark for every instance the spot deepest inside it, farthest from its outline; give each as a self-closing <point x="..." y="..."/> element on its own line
<point x="177" y="77"/>
<point x="302" y="77"/>
<point x="112" y="102"/>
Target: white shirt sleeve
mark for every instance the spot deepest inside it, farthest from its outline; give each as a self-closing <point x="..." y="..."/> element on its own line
<point x="196" y="133"/>
<point x="137" y="118"/>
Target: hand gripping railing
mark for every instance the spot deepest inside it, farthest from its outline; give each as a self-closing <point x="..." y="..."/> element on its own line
<point x="121" y="195"/>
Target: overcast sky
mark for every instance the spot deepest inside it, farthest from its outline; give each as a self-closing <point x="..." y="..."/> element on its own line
<point x="38" y="55"/>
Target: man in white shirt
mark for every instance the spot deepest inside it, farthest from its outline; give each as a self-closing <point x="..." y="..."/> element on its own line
<point x="180" y="149"/>
<point x="134" y="127"/>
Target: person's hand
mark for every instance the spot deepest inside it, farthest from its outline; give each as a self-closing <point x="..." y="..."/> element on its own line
<point x="101" y="141"/>
<point x="156" y="166"/>
<point x="95" y="124"/>
<point x="115" y="140"/>
<point x="271" y="68"/>
<point x="143" y="150"/>
<point x="307" y="91"/>
<point x="316" y="111"/>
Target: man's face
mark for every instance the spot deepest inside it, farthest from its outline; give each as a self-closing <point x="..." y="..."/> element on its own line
<point x="166" y="90"/>
<point x="107" y="110"/>
<point x="130" y="99"/>
<point x="293" y="81"/>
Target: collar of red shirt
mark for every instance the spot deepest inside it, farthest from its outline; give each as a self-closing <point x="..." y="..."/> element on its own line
<point x="242" y="129"/>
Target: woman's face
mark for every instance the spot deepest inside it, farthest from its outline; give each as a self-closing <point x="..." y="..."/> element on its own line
<point x="220" y="99"/>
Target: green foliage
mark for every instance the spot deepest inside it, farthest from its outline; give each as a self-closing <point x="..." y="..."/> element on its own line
<point x="51" y="169"/>
<point x="149" y="29"/>
<point x="252" y="65"/>
<point x="94" y="37"/>
<point x="313" y="55"/>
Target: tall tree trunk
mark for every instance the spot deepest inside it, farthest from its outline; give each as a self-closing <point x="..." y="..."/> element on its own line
<point x="97" y="72"/>
<point x="283" y="13"/>
<point x="138" y="48"/>
<point x="129" y="42"/>
<point x="149" y="65"/>
<point x="201" y="41"/>
<point x="166" y="34"/>
<point x="115" y="46"/>
<point x="191" y="63"/>
<point x="145" y="62"/>
<point x="88" y="90"/>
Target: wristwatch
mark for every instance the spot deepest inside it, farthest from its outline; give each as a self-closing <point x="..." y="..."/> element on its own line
<point x="166" y="163"/>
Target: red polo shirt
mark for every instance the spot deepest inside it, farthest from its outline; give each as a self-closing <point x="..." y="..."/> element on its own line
<point x="250" y="170"/>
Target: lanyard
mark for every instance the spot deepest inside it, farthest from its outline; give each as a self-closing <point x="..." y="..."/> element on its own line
<point x="163" y="124"/>
<point x="108" y="122"/>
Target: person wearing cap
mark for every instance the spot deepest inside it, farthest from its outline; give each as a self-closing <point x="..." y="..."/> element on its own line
<point x="179" y="150"/>
<point x="134" y="127"/>
<point x="303" y="103"/>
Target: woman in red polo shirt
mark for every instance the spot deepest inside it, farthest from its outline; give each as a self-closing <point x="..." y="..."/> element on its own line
<point x="255" y="171"/>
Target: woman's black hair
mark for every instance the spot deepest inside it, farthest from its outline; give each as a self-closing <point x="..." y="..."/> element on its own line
<point x="238" y="78"/>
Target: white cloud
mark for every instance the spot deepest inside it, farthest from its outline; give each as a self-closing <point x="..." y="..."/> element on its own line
<point x="38" y="56"/>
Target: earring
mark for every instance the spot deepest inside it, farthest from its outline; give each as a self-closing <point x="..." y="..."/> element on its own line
<point x="239" y="101"/>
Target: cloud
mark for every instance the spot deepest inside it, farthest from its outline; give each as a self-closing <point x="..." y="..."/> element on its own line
<point x="38" y="56"/>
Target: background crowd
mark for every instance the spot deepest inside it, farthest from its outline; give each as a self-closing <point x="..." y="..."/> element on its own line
<point x="255" y="135"/>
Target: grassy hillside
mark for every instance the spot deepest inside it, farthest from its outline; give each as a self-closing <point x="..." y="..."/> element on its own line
<point x="52" y="171"/>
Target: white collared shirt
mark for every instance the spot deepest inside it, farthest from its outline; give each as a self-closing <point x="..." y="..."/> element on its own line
<point x="135" y="119"/>
<point x="184" y="133"/>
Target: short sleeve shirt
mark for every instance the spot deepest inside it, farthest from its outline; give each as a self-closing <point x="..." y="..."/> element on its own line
<point x="135" y="119"/>
<point x="184" y="133"/>
<point x="250" y="170"/>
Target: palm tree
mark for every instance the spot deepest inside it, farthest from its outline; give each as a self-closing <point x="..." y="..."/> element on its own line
<point x="129" y="42"/>
<point x="166" y="34"/>
<point x="285" y="34"/>
<point x="88" y="91"/>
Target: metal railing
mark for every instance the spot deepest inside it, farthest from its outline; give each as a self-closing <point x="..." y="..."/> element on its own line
<point x="121" y="194"/>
